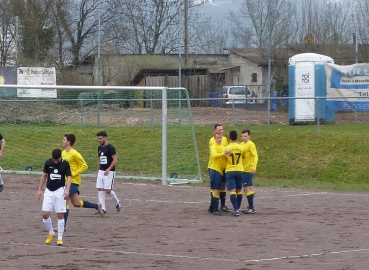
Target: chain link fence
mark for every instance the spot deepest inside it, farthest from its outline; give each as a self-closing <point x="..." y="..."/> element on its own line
<point x="117" y="108"/>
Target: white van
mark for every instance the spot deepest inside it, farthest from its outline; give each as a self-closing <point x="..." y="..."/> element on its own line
<point x="236" y="94"/>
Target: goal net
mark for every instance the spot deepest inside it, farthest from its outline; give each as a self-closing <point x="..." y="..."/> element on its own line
<point x="151" y="128"/>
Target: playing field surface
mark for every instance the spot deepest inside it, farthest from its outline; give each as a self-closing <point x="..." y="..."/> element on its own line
<point x="168" y="227"/>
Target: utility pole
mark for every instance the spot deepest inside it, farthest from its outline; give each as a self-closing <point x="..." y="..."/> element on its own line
<point x="16" y="47"/>
<point x="269" y="59"/>
<point x="180" y="49"/>
<point x="354" y="35"/>
<point x="186" y="31"/>
<point x="353" y="11"/>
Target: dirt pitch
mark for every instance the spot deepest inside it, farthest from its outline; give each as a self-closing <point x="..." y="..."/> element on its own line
<point x="162" y="227"/>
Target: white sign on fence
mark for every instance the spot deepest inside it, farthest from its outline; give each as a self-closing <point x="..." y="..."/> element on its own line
<point x="350" y="87"/>
<point x="36" y="76"/>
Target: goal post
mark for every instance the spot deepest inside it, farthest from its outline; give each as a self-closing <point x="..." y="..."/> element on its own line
<point x="134" y="118"/>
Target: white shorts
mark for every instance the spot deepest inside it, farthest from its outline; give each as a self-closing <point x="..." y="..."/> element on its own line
<point x="54" y="200"/>
<point x="105" y="181"/>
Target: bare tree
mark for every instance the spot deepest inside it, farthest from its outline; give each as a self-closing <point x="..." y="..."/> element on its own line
<point x="146" y="26"/>
<point x="241" y="30"/>
<point x="7" y="34"/>
<point x="360" y="18"/>
<point x="259" y="21"/>
<point x="153" y="26"/>
<point x="76" y="23"/>
<point x="322" y="26"/>
<point x="35" y="30"/>
<point x="213" y="38"/>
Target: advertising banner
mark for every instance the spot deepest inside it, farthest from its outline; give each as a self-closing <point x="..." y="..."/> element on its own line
<point x="7" y="76"/>
<point x="36" y="76"/>
<point x="347" y="87"/>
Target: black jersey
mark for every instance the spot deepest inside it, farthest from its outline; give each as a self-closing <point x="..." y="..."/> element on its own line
<point x="106" y="154"/>
<point x="56" y="173"/>
<point x="1" y="137"/>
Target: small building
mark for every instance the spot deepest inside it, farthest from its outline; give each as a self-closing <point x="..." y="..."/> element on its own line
<point x="202" y="74"/>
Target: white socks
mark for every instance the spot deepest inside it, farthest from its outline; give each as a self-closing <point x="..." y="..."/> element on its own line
<point x="114" y="197"/>
<point x="60" y="228"/>
<point x="48" y="225"/>
<point x="101" y="196"/>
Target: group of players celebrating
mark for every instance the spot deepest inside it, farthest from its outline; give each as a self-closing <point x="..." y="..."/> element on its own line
<point x="231" y="166"/>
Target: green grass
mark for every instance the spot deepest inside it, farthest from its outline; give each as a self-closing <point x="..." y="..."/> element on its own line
<point x="335" y="157"/>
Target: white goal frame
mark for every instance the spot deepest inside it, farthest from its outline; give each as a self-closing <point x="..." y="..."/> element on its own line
<point x="163" y="90"/>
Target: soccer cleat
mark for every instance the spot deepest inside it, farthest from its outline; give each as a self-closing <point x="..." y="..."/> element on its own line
<point x="100" y="211"/>
<point x="248" y="211"/>
<point x="224" y="209"/>
<point x="236" y="213"/>
<point x="217" y="213"/>
<point x="118" y="207"/>
<point x="210" y="210"/>
<point x="103" y="212"/>
<point x="49" y="238"/>
<point x="59" y="242"/>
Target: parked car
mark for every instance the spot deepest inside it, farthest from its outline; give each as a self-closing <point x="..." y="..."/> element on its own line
<point x="236" y="94"/>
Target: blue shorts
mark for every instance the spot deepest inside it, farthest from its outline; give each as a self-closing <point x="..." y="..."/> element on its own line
<point x="234" y="180"/>
<point x="247" y="179"/>
<point x="215" y="179"/>
<point x="73" y="190"/>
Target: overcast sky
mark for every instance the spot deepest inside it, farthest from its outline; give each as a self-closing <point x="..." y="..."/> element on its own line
<point x="219" y="9"/>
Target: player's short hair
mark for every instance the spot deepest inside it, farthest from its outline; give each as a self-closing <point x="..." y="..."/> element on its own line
<point x="233" y="135"/>
<point x="70" y="138"/>
<point x="216" y="126"/>
<point x="217" y="132"/>
<point x="246" y="131"/>
<point x="102" y="133"/>
<point x="56" y="153"/>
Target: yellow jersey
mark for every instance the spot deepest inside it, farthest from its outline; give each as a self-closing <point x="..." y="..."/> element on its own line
<point x="234" y="160"/>
<point x="212" y="141"/>
<point x="217" y="158"/>
<point x="77" y="164"/>
<point x="251" y="156"/>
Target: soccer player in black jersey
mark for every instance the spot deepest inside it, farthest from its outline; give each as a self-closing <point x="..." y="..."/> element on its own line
<point x="105" y="173"/>
<point x="2" y="141"/>
<point x="57" y="175"/>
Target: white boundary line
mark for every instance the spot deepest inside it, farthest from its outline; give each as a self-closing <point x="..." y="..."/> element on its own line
<point x="196" y="257"/>
<point x="206" y="201"/>
<point x="300" y="193"/>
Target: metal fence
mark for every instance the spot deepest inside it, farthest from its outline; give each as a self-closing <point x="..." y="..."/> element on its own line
<point x="119" y="109"/>
<point x="275" y="110"/>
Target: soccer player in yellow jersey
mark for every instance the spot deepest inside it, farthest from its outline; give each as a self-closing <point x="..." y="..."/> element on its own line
<point x="223" y="207"/>
<point x="234" y="171"/>
<point x="249" y="168"/>
<point x="216" y="170"/>
<point x="77" y="166"/>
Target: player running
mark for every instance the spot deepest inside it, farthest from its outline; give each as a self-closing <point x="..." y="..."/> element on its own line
<point x="78" y="166"/>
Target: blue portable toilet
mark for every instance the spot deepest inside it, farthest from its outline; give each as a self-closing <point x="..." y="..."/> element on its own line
<point x="307" y="78"/>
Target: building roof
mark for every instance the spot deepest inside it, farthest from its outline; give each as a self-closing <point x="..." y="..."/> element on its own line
<point x="256" y="55"/>
<point x="166" y="71"/>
